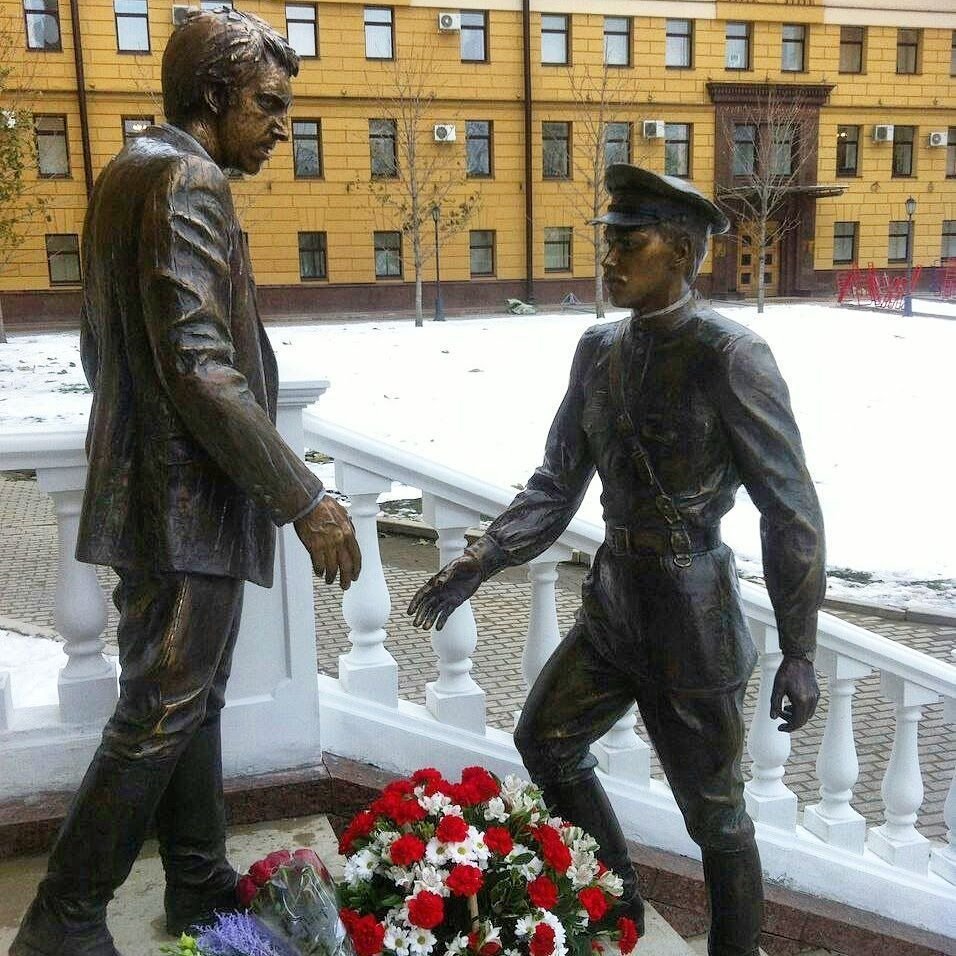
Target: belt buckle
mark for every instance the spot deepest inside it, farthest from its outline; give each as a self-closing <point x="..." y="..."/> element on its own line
<point x="680" y="544"/>
<point x="621" y="540"/>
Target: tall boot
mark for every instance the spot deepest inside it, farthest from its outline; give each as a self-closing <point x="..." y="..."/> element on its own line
<point x="93" y="854"/>
<point x="735" y="886"/>
<point x="191" y="826"/>
<point x="585" y="804"/>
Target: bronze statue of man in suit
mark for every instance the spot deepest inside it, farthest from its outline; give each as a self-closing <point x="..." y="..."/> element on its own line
<point x="188" y="477"/>
<point x="675" y="407"/>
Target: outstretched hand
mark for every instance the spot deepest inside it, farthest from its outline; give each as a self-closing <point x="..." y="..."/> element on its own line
<point x="328" y="536"/>
<point x="797" y="682"/>
<point x="435" y="600"/>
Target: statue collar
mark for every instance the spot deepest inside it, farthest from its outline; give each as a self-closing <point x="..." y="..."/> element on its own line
<point x="670" y="318"/>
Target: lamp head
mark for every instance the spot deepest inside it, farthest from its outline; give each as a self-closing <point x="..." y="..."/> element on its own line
<point x="910" y="207"/>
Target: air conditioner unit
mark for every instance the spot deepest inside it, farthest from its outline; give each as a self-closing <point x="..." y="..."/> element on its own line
<point x="445" y="133"/>
<point x="939" y="137"/>
<point x="449" y="22"/>
<point x="179" y="13"/>
<point x="653" y="129"/>
<point x="882" y="134"/>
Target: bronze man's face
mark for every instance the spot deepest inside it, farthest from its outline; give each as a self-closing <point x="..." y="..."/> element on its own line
<point x="254" y="119"/>
<point x="642" y="269"/>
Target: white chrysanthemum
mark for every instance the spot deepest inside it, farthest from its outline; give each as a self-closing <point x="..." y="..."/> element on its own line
<point x="360" y="867"/>
<point x="560" y="937"/>
<point x="436" y="852"/>
<point x="489" y="932"/>
<point x="429" y="878"/>
<point x="458" y="945"/>
<point x="524" y="925"/>
<point x="421" y="941"/>
<point x="496" y="810"/>
<point x="611" y="883"/>
<point x="396" y="939"/>
<point x="478" y="845"/>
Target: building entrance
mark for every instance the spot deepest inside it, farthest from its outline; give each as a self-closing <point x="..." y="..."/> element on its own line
<point x="748" y="260"/>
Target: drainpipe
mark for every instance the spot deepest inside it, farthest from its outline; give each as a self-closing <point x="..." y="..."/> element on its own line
<point x="528" y="171"/>
<point x="81" y="96"/>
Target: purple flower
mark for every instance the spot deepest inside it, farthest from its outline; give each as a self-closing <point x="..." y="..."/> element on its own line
<point x="240" y="934"/>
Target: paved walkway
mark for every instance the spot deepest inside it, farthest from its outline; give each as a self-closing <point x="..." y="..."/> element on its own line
<point x="28" y="577"/>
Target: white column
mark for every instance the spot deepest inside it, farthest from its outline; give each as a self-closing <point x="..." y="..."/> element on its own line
<point x="544" y="635"/>
<point x="897" y="840"/>
<point x="368" y="670"/>
<point x="454" y="698"/>
<point x="943" y="859"/>
<point x="6" y="702"/>
<point x="87" y="684"/>
<point x="833" y="820"/>
<point x="768" y="800"/>
<point x="623" y="753"/>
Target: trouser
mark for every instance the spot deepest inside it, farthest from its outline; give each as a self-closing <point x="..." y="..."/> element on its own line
<point x="699" y="738"/>
<point x="159" y="754"/>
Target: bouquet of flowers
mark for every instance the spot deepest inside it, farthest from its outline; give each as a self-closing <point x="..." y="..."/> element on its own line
<point x="475" y="868"/>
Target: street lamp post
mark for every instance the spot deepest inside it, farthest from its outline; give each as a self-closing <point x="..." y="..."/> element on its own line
<point x="439" y="309"/>
<point x="908" y="298"/>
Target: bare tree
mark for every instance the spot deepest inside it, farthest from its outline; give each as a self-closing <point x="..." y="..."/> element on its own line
<point x="411" y="173"/>
<point x="770" y="143"/>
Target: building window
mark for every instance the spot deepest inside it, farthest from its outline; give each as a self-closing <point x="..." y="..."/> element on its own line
<point x="948" y="248"/>
<point x="478" y="147"/>
<point x="737" y="54"/>
<point x="899" y="244"/>
<point x="307" y="148"/>
<point x="951" y="151"/>
<point x="382" y="140"/>
<point x="852" y="41"/>
<point x="63" y="258"/>
<point x="557" y="249"/>
<point x="313" y="259"/>
<point x="617" y="143"/>
<point x="43" y="25"/>
<point x="745" y="149"/>
<point x="952" y="55"/>
<point x="134" y="126"/>
<point x="474" y="36"/>
<point x="556" y="150"/>
<point x="302" y="28"/>
<point x="379" y="33"/>
<point x="388" y="255"/>
<point x="481" y="246"/>
<point x="617" y="41"/>
<point x="903" y="139"/>
<point x="848" y="150"/>
<point x="132" y="26"/>
<point x="908" y="50"/>
<point x="793" y="52"/>
<point x="53" y="154"/>
<point x="844" y="242"/>
<point x="679" y="49"/>
<point x="781" y="153"/>
<point x="555" y="43"/>
<point x="677" y="149"/>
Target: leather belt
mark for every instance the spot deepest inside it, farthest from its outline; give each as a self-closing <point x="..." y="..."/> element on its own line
<point x="661" y="541"/>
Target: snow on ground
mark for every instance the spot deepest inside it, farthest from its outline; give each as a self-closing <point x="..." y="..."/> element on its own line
<point x="873" y="394"/>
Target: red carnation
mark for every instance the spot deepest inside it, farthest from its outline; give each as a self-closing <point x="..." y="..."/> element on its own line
<point x="490" y="949"/>
<point x="395" y="805"/>
<point x="594" y="901"/>
<point x="480" y="783"/>
<point x="368" y="934"/>
<point x="542" y="942"/>
<point x="498" y="840"/>
<point x="464" y="880"/>
<point x="361" y="825"/>
<point x="555" y="853"/>
<point x="542" y="892"/>
<point x="246" y="890"/>
<point x="260" y="872"/>
<point x="402" y="787"/>
<point x="451" y="829"/>
<point x="628" y="931"/>
<point x="426" y="909"/>
<point x="406" y="849"/>
<point x="427" y="775"/>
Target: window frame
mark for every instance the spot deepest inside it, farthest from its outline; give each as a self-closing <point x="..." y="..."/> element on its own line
<point x="566" y="139"/>
<point x="393" y="138"/>
<point x="947" y="234"/>
<point x="843" y="147"/>
<point x="489" y="140"/>
<point x="951" y="152"/>
<point x="65" y="136"/>
<point x="386" y="250"/>
<point x="378" y="25"/>
<point x="567" y="232"/>
<point x="854" y="237"/>
<point x="748" y="44"/>
<point x="952" y="55"/>
<point x="753" y="149"/>
<point x="628" y="35"/>
<point x="627" y="141"/>
<point x="566" y="33"/>
<point x="322" y="249"/>
<point x="859" y="45"/>
<point x="129" y="137"/>
<point x="906" y="233"/>
<point x="73" y="254"/>
<point x="916" y="46"/>
<point x="54" y="14"/>
<point x="688" y="143"/>
<point x="689" y="65"/>
<point x="117" y="15"/>
<point x="483" y="30"/>
<point x="801" y="44"/>
<point x="315" y="29"/>
<point x="900" y="151"/>
<point x="471" y="248"/>
<point x="307" y="137"/>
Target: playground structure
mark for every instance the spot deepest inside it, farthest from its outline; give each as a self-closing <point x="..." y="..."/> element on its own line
<point x="876" y="288"/>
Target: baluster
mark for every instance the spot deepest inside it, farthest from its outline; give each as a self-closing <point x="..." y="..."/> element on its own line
<point x="833" y="820"/>
<point x="6" y="701"/>
<point x="943" y="860"/>
<point x="768" y="799"/>
<point x="368" y="670"/>
<point x="87" y="684"/>
<point x="623" y="753"/>
<point x="454" y="698"/>
<point x="897" y="840"/>
<point x="544" y="635"/>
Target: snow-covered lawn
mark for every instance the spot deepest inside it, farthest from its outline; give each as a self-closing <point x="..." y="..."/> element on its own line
<point x="873" y="394"/>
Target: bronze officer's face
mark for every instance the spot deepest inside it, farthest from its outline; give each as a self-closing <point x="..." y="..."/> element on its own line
<point x="254" y="119"/>
<point x="641" y="268"/>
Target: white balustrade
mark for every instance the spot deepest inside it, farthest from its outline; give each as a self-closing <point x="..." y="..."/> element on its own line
<point x="833" y="820"/>
<point x="6" y="701"/>
<point x="943" y="859"/>
<point x="454" y="698"/>
<point x="897" y="841"/>
<point x="544" y="634"/>
<point x="769" y="800"/>
<point x="368" y="670"/>
<point x="624" y="753"/>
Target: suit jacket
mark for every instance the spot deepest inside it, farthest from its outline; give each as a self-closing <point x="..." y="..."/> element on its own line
<point x="186" y="469"/>
<point x="712" y="411"/>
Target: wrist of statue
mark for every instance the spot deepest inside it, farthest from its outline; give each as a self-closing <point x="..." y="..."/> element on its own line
<point x="489" y="555"/>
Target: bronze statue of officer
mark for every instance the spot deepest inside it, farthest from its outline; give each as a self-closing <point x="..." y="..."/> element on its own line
<point x="675" y="407"/>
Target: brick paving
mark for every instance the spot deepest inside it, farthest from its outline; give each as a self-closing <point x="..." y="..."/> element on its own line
<point x="28" y="578"/>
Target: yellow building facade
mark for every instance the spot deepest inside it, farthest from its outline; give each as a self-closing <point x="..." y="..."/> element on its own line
<point x="527" y="94"/>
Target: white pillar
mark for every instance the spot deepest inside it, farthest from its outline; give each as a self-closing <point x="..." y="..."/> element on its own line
<point x="623" y="753"/>
<point x="368" y="670"/>
<point x="6" y="702"/>
<point x="769" y="801"/>
<point x="897" y="840"/>
<point x="943" y="859"/>
<point x="833" y="820"/>
<point x="454" y="698"/>
<point x="87" y="684"/>
<point x="544" y="634"/>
